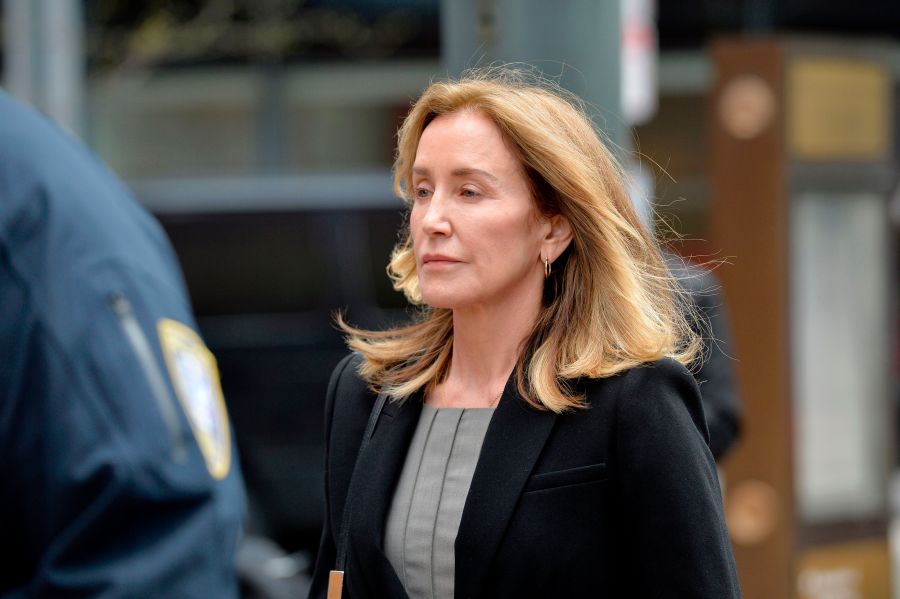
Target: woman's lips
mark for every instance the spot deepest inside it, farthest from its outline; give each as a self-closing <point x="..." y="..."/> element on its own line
<point x="431" y="261"/>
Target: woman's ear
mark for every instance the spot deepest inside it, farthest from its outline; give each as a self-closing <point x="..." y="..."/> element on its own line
<point x="558" y="237"/>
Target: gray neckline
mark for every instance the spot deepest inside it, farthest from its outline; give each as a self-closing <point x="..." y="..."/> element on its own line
<point x="427" y="407"/>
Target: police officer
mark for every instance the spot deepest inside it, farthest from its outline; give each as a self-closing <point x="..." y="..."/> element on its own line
<point x="118" y="476"/>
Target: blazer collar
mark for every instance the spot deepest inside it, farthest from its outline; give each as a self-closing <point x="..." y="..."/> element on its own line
<point x="514" y="440"/>
<point x="512" y="445"/>
<point x="369" y="573"/>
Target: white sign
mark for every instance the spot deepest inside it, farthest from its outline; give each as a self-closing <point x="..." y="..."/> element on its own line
<point x="839" y="313"/>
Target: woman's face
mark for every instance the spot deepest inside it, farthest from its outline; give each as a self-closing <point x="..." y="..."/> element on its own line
<point x="477" y="234"/>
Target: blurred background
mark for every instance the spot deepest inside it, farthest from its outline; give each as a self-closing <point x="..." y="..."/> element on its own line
<point x="765" y="132"/>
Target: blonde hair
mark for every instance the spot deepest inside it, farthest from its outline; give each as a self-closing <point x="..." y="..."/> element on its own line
<point x="610" y="303"/>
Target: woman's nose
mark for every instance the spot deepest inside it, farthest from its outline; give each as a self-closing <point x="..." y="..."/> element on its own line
<point x="436" y="217"/>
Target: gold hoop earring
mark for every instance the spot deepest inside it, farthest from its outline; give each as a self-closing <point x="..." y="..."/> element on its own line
<point x="546" y="267"/>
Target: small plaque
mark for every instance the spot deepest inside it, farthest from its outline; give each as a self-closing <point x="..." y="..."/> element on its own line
<point x="857" y="569"/>
<point x="838" y="109"/>
<point x="753" y="512"/>
<point x="746" y="106"/>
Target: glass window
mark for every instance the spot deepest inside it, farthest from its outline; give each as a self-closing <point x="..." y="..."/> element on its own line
<point x="269" y="263"/>
<point x="208" y="88"/>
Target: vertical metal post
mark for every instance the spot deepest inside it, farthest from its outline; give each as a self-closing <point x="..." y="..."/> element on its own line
<point x="577" y="42"/>
<point x="18" y="51"/>
<point x="44" y="61"/>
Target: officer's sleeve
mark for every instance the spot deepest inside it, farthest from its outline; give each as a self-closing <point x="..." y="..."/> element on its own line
<point x="131" y="477"/>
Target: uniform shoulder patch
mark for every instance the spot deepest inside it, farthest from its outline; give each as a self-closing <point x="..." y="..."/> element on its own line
<point x="195" y="376"/>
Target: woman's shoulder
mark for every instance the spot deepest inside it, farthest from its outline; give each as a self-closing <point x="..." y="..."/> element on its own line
<point x="662" y="392"/>
<point x="661" y="373"/>
<point x="346" y="372"/>
<point x="648" y="375"/>
<point x="348" y="396"/>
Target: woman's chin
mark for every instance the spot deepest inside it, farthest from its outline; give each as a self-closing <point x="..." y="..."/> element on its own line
<point x="439" y="304"/>
<point x="442" y="299"/>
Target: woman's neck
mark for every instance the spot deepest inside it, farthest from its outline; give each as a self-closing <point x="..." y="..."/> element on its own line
<point x="487" y="341"/>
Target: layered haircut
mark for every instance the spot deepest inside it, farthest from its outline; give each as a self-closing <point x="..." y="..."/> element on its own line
<point x="610" y="303"/>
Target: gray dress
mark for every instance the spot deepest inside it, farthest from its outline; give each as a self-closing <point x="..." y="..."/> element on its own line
<point x="428" y="503"/>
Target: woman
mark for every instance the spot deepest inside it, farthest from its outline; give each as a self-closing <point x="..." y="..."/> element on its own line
<point x="541" y="437"/>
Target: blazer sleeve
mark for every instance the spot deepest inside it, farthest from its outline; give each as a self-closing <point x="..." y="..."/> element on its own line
<point x="327" y="547"/>
<point x="674" y="534"/>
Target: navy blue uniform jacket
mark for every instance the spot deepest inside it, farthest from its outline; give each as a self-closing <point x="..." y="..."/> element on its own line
<point x="619" y="500"/>
<point x="104" y="491"/>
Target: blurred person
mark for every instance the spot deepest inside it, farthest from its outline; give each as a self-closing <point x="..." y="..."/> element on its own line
<point x="117" y="470"/>
<point x="894" y="210"/>
<point x="713" y="367"/>
<point x="533" y="432"/>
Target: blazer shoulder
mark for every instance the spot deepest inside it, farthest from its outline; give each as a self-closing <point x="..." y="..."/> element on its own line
<point x="664" y="371"/>
<point x="346" y="388"/>
<point x="348" y="404"/>
<point x="663" y="391"/>
<point x="661" y="373"/>
<point x="666" y="488"/>
<point x="345" y="369"/>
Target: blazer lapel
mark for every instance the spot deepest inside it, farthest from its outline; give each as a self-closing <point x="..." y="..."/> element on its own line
<point x="379" y="469"/>
<point x="512" y="445"/>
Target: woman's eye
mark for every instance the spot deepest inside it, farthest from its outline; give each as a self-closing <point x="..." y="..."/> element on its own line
<point x="469" y="193"/>
<point x="421" y="192"/>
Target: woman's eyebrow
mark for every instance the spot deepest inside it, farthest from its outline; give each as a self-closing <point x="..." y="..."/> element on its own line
<point x="460" y="172"/>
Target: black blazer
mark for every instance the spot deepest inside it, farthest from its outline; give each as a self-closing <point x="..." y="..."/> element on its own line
<point x="619" y="500"/>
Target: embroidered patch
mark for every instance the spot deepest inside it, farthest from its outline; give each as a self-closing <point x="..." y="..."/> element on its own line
<point x="195" y="377"/>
